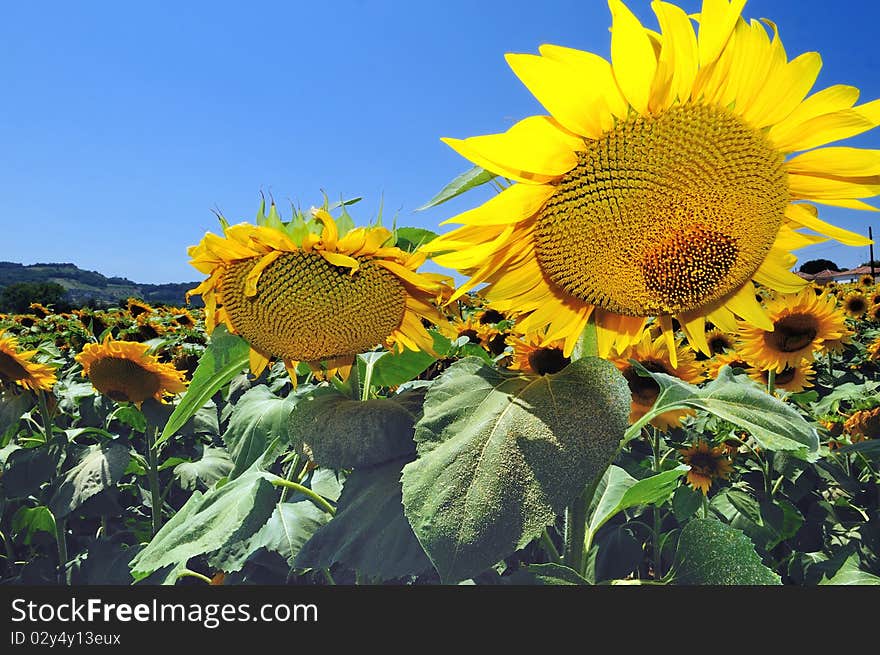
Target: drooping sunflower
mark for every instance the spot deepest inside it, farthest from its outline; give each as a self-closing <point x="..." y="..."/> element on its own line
<point x="40" y="310"/>
<point x="125" y="371"/>
<point x="654" y="355"/>
<point x="707" y="465"/>
<point x="532" y="355"/>
<point x="137" y="307"/>
<point x="660" y="183"/>
<point x="302" y="292"/>
<point x="800" y="324"/>
<point x="855" y="304"/>
<point x="874" y="350"/>
<point x="19" y="368"/>
<point x="795" y="378"/>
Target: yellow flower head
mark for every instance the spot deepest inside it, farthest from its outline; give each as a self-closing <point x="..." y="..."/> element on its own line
<point x="792" y="378"/>
<point x="855" y="304"/>
<point x="866" y="280"/>
<point x="864" y="424"/>
<point x="654" y="355"/>
<point x="301" y="291"/>
<point x="662" y="183"/>
<point x="707" y="465"/>
<point x="19" y="368"/>
<point x="138" y="307"/>
<point x="719" y="342"/>
<point x="125" y="371"/>
<point x="533" y="356"/>
<point x="801" y="323"/>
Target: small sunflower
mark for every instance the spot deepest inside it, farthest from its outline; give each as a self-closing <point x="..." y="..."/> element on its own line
<point x="125" y="371"/>
<point x="874" y="297"/>
<point x="719" y="342"/>
<point x="137" y="307"/>
<point x="800" y="324"/>
<point x="864" y="423"/>
<point x="855" y="304"/>
<point x="874" y="314"/>
<point x="40" y="310"/>
<point x="301" y="291"/>
<point x="792" y="378"/>
<point x="490" y="316"/>
<point x="653" y="354"/>
<point x="530" y="356"/>
<point x="184" y="319"/>
<point x="730" y="358"/>
<point x="867" y="280"/>
<point x="838" y="346"/>
<point x="707" y="465"/>
<point x="661" y="183"/>
<point x="19" y="368"/>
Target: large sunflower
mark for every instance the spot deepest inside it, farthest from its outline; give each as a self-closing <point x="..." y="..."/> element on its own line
<point x="660" y="184"/>
<point x="301" y="291"/>
<point x="19" y="367"/>
<point x="654" y="355"/>
<point x="125" y="371"/>
<point x="800" y="324"/>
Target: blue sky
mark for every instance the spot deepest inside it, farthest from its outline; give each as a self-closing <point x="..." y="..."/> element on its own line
<point x="124" y="124"/>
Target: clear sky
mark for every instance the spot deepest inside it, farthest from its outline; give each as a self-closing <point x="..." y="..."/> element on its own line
<point x="123" y="124"/>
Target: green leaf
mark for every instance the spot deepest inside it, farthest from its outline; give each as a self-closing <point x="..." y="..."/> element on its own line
<point x="12" y="408"/>
<point x="393" y="369"/>
<point x="465" y="182"/>
<point x="289" y="528"/>
<point x="213" y="465"/>
<point x="685" y="503"/>
<point x="501" y="454"/>
<point x="369" y="533"/>
<point x="411" y="238"/>
<point x="224" y="358"/>
<point x="619" y="491"/>
<point x="767" y="523"/>
<point x="104" y="562"/>
<point x="132" y="417"/>
<point x="774" y="425"/>
<point x="545" y="574"/>
<point x="258" y="420"/>
<point x="713" y="553"/>
<point x="26" y="470"/>
<point x="851" y="574"/>
<point x="28" y="521"/>
<point x="224" y="516"/>
<point x="99" y="467"/>
<point x="341" y="433"/>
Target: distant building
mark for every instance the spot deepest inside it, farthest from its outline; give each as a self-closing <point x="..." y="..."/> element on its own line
<point x="841" y="277"/>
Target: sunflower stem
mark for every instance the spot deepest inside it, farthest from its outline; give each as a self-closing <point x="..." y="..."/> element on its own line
<point x="574" y="551"/>
<point x="61" y="538"/>
<point x="771" y="381"/>
<point x="153" y="477"/>
<point x="319" y="500"/>
<point x="46" y="416"/>
<point x="658" y="565"/>
<point x="186" y="573"/>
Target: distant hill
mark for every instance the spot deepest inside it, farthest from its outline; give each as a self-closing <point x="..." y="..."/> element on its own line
<point x="83" y="286"/>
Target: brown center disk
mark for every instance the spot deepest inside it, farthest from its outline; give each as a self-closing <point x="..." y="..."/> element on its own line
<point x="10" y="369"/>
<point x="792" y="333"/>
<point x="307" y="309"/>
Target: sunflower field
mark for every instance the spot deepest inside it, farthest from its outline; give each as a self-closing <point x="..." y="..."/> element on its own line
<point x="617" y="381"/>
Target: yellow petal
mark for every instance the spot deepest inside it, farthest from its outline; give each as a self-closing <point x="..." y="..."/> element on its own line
<point x="515" y="203"/>
<point x="474" y="255"/>
<point x="723" y="319"/>
<point x="669" y="337"/>
<point x="776" y="276"/>
<point x="259" y="362"/>
<point x="836" y="161"/>
<point x="806" y="216"/>
<point x="717" y="20"/>
<point x="694" y="328"/>
<point x="744" y="304"/>
<point x="570" y="95"/>
<point x="535" y="149"/>
<point x="811" y="187"/>
<point x="679" y="48"/>
<point x="826" y="128"/>
<point x="250" y="282"/>
<point x="632" y="56"/>
<point x="785" y="88"/>
<point x="338" y="259"/>
<point x="593" y="67"/>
